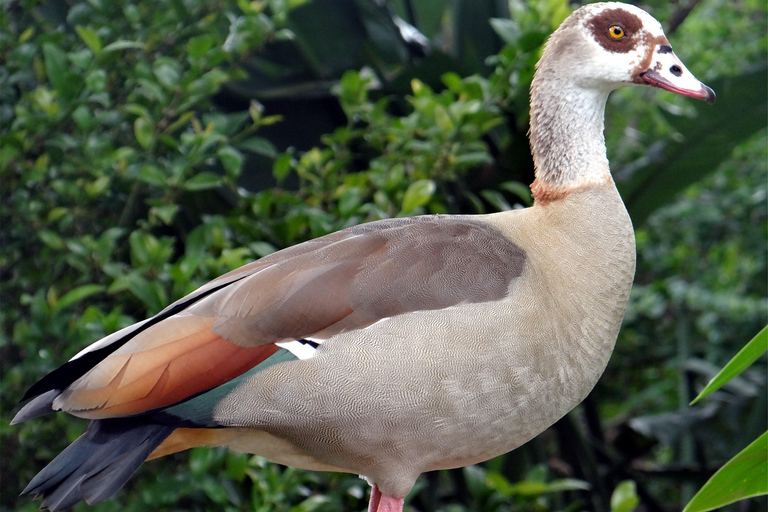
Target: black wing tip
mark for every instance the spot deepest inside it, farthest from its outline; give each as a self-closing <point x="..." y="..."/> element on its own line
<point x="39" y="406"/>
<point x="97" y="464"/>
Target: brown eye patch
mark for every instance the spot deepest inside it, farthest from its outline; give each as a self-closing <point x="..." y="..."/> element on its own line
<point x="603" y="27"/>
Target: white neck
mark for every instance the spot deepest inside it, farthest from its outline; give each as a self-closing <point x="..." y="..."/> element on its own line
<point x="566" y="136"/>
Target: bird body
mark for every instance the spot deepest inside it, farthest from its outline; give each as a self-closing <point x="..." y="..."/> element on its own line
<point x="399" y="346"/>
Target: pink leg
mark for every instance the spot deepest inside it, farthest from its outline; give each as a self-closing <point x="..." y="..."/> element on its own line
<point x="382" y="503"/>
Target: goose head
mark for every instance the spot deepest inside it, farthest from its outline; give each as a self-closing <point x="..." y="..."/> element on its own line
<point x="599" y="48"/>
<point x="605" y="46"/>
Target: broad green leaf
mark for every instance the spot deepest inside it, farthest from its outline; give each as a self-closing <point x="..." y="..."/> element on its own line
<point x="199" y="45"/>
<point x="508" y="30"/>
<point x="496" y="199"/>
<point x="56" y="66"/>
<point x="443" y="119"/>
<point x="90" y="38"/>
<point x="528" y="488"/>
<point x="282" y="166"/>
<point x="203" y="181"/>
<point x="167" y="71"/>
<point x="51" y="239"/>
<point x="209" y="82"/>
<point x="96" y="80"/>
<point x="80" y="58"/>
<point x="214" y="489"/>
<point x="98" y="186"/>
<point x="152" y="175"/>
<point x="350" y="201"/>
<point x="232" y="160"/>
<point x="123" y="45"/>
<point x="418" y="194"/>
<point x="140" y="248"/>
<point x="56" y="213"/>
<point x="145" y="133"/>
<point x="165" y="212"/>
<point x="83" y="118"/>
<point x="743" y="476"/>
<point x="756" y="347"/>
<point x="624" y="497"/>
<point x="78" y="294"/>
<point x="316" y="502"/>
<point x="45" y="99"/>
<point x="519" y="189"/>
<point x="150" y="293"/>
<point x="472" y="159"/>
<point x="259" y="145"/>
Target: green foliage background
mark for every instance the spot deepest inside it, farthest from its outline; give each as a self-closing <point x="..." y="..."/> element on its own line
<point x="146" y="148"/>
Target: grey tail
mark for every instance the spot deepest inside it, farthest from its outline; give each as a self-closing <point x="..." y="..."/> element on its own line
<point x="98" y="463"/>
<point x="38" y="406"/>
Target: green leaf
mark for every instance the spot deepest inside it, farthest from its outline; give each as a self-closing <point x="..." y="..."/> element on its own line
<point x="473" y="159"/>
<point x="151" y="294"/>
<point x="83" y="118"/>
<point x="45" y="99"/>
<point x="259" y="145"/>
<point x="203" y="181"/>
<point x="165" y="212"/>
<point x="756" y="347"/>
<point x="743" y="476"/>
<point x="418" y="194"/>
<point x="145" y="133"/>
<point x="568" y="484"/>
<point x="152" y="175"/>
<point x="624" y="497"/>
<point x="57" y="68"/>
<point x="521" y="190"/>
<point x="528" y="488"/>
<point x="123" y="45"/>
<point x="90" y="38"/>
<point x="198" y="46"/>
<point x="26" y="35"/>
<point x="214" y="489"/>
<point x="282" y="166"/>
<point x="167" y="71"/>
<point x="508" y="30"/>
<point x="51" y="239"/>
<point x="232" y="160"/>
<point x="78" y="294"/>
<point x="443" y="119"/>
<point x="496" y="199"/>
<point x="316" y="502"/>
<point x="140" y="251"/>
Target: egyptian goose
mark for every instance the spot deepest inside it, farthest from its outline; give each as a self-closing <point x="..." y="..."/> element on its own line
<point x="400" y="346"/>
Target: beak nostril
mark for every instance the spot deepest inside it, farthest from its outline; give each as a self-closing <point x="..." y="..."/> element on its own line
<point x="675" y="70"/>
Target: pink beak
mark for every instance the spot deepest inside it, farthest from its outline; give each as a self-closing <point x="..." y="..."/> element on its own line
<point x="669" y="73"/>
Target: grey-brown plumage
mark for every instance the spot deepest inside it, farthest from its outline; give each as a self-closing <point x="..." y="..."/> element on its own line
<point x="399" y="346"/>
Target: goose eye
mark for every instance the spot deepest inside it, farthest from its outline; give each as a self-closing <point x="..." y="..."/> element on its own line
<point x="616" y="32"/>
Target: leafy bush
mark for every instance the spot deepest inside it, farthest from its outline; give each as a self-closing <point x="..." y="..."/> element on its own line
<point x="123" y="187"/>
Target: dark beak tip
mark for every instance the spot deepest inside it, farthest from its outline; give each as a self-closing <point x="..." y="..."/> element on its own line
<point x="710" y="95"/>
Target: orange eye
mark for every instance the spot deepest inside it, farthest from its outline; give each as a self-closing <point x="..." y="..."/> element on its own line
<point x="616" y="32"/>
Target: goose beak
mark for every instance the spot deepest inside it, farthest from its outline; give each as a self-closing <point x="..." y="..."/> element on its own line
<point x="668" y="72"/>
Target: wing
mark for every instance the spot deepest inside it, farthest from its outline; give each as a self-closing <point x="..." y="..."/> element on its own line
<point x="341" y="282"/>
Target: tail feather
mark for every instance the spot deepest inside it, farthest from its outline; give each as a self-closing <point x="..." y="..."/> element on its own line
<point x="38" y="406"/>
<point x="98" y="463"/>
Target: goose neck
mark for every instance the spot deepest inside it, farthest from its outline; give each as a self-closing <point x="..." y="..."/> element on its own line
<point x="567" y="138"/>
